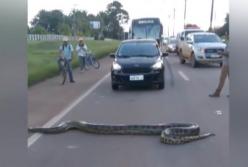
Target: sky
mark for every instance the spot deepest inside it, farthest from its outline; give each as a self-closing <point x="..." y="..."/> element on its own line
<point x="198" y="11"/>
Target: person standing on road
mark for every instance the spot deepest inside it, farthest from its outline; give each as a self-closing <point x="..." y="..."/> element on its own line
<point x="224" y="73"/>
<point x="66" y="50"/>
<point x="81" y="49"/>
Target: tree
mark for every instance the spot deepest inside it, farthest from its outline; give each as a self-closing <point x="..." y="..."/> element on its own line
<point x="64" y="29"/>
<point x="223" y="30"/>
<point x="113" y="17"/>
<point x="49" y="20"/>
<point x="38" y="30"/>
<point x="78" y="22"/>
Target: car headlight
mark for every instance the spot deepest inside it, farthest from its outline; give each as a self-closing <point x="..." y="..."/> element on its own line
<point x="116" y="66"/>
<point x="157" y="65"/>
<point x="201" y="50"/>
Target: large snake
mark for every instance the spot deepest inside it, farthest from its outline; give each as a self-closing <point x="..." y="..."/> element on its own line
<point x="174" y="133"/>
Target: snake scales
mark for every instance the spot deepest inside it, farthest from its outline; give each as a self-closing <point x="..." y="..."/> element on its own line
<point x="174" y="133"/>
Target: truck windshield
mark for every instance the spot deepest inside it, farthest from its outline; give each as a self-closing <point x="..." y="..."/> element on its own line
<point x="206" y="38"/>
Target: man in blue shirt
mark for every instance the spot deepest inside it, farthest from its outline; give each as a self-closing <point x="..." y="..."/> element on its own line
<point x="66" y="51"/>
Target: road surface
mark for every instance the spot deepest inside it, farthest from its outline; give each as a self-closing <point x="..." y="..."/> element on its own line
<point x="184" y="99"/>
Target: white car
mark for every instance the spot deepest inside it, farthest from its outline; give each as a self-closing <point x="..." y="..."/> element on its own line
<point x="171" y="47"/>
<point x="202" y="47"/>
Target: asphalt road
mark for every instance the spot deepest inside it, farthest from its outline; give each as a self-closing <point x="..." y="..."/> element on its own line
<point x="184" y="99"/>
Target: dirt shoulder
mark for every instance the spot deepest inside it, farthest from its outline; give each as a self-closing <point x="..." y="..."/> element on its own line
<point x="49" y="98"/>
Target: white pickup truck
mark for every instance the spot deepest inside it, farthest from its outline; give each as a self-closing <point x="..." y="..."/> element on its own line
<point x="202" y="47"/>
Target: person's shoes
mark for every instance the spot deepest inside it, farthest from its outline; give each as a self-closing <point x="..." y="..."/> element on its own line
<point x="72" y="81"/>
<point x="214" y="95"/>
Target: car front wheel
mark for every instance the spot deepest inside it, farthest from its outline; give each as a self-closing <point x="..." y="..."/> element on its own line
<point x="115" y="86"/>
<point x="161" y="85"/>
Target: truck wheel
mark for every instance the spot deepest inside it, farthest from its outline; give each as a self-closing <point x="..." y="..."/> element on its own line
<point x="182" y="61"/>
<point x="194" y="63"/>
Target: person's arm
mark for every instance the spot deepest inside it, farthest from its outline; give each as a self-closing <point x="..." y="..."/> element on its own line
<point x="85" y="47"/>
<point x="72" y="50"/>
<point x="78" y="48"/>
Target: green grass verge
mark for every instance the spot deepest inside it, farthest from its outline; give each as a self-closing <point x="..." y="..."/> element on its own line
<point x="42" y="56"/>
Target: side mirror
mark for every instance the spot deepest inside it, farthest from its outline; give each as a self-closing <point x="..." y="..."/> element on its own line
<point x="165" y="54"/>
<point x="112" y="55"/>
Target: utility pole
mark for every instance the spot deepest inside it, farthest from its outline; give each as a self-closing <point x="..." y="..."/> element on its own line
<point x="74" y="21"/>
<point x="211" y="16"/>
<point x="185" y="7"/>
<point x="174" y="21"/>
<point x="168" y="25"/>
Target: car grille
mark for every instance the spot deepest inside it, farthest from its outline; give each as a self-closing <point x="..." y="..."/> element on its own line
<point x="214" y="50"/>
<point x="136" y="70"/>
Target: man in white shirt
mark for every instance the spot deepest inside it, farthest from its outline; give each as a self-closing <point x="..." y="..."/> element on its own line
<point x="81" y="49"/>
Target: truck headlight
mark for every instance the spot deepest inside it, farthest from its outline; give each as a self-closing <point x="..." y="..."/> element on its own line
<point x="158" y="65"/>
<point x="201" y="50"/>
<point x="116" y="66"/>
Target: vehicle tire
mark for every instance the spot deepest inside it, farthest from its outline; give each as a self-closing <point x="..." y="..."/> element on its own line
<point x="161" y="85"/>
<point x="115" y="86"/>
<point x="64" y="76"/>
<point x="95" y="63"/>
<point x="182" y="61"/>
<point x="194" y="63"/>
<point x="87" y="63"/>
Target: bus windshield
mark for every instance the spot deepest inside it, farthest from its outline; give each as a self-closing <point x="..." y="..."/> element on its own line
<point x="146" y="28"/>
<point x="146" y="31"/>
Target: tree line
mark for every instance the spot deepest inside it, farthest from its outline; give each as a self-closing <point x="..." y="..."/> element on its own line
<point x="78" y="22"/>
<point x="223" y="30"/>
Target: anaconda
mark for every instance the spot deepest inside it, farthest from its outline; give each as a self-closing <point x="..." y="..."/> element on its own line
<point x="173" y="133"/>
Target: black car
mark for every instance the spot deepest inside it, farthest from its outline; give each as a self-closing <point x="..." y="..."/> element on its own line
<point x="138" y="62"/>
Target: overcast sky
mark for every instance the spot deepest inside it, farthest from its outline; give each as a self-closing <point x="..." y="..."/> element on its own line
<point x="198" y="11"/>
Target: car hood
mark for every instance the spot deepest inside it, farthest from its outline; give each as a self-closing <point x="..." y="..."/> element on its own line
<point x="211" y="45"/>
<point x="137" y="61"/>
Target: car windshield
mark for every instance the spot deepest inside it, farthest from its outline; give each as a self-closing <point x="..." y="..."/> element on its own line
<point x="138" y="49"/>
<point x="206" y="38"/>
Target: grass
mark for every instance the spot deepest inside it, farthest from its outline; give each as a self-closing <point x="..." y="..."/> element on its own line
<point x="42" y="56"/>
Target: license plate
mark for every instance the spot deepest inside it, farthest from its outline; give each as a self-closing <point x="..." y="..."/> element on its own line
<point x="215" y="56"/>
<point x="136" y="77"/>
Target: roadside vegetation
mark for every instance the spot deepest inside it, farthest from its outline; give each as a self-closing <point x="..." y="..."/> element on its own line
<point x="42" y="57"/>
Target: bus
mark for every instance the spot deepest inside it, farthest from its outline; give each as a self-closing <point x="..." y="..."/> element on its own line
<point x="146" y="28"/>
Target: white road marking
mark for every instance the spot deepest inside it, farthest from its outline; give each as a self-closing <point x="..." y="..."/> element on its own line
<point x="72" y="147"/>
<point x="184" y="76"/>
<point x="218" y="112"/>
<point x="32" y="139"/>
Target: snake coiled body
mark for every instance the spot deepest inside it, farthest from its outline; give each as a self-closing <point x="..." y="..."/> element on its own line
<point x="174" y="133"/>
